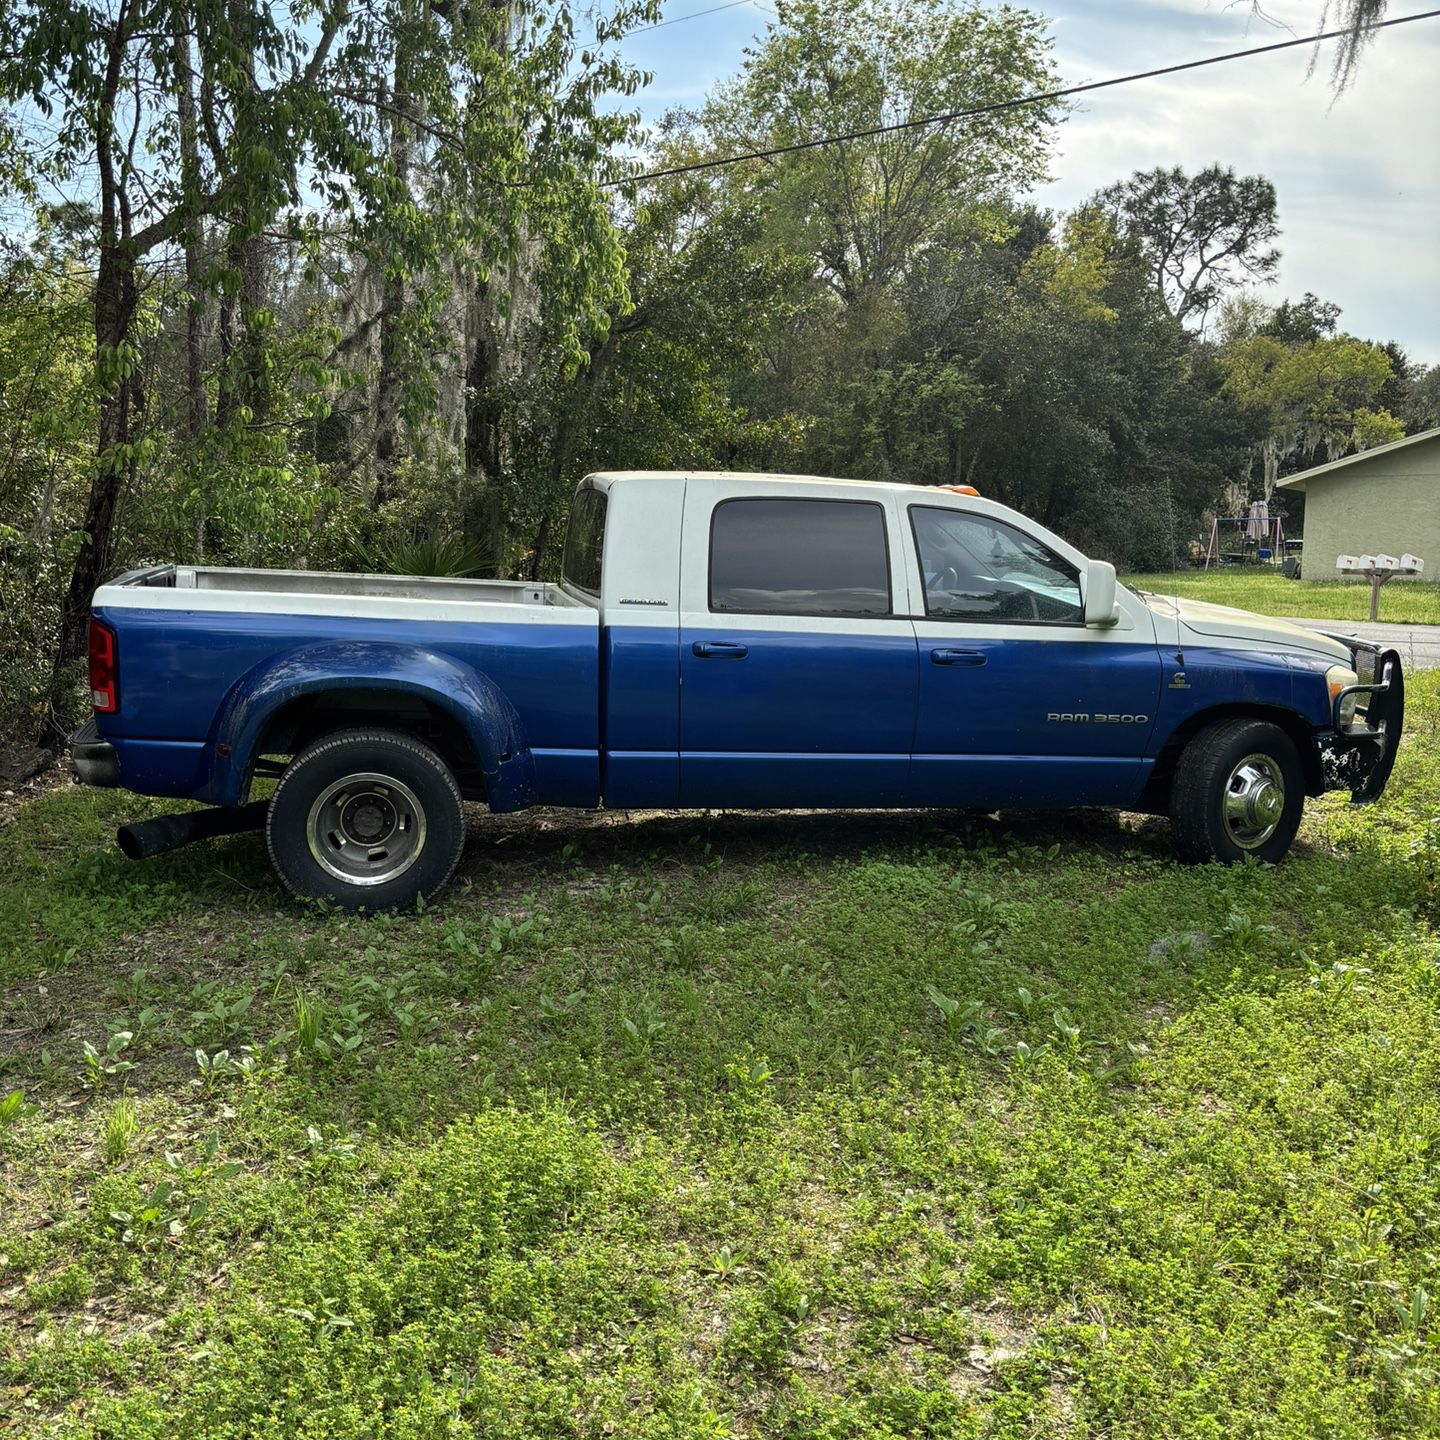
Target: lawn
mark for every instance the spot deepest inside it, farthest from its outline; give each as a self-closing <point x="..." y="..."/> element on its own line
<point x="1270" y="593"/>
<point x="767" y="1125"/>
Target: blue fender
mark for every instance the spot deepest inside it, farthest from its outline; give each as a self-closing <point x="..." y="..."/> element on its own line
<point x="472" y="699"/>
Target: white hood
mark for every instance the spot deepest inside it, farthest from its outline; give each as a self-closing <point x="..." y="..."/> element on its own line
<point x="1204" y="620"/>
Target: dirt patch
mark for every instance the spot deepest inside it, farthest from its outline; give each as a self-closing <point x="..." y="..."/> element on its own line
<point x="16" y="792"/>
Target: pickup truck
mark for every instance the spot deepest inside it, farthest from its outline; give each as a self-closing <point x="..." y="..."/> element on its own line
<point x="717" y="641"/>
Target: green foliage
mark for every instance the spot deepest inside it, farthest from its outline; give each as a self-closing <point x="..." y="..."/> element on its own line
<point x="1315" y="396"/>
<point x="385" y="295"/>
<point x="1267" y="592"/>
<point x="941" y="1127"/>
<point x="120" y="1128"/>
<point x="421" y="555"/>
<point x="1199" y="235"/>
<point x="14" y="1109"/>
<point x="106" y="1064"/>
<point x="47" y="422"/>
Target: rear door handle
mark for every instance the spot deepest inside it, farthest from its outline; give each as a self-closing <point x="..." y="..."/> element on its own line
<point x="957" y="657"/>
<point x="719" y="650"/>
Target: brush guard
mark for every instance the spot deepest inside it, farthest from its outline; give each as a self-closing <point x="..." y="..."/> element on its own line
<point x="1360" y="757"/>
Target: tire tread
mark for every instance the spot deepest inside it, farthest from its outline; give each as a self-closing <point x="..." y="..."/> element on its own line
<point x="1197" y="776"/>
<point x="317" y="749"/>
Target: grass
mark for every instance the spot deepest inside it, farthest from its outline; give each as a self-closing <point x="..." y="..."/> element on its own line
<point x="1401" y="602"/>
<point x="770" y="1125"/>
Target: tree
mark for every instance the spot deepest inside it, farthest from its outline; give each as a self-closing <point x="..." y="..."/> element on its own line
<point x="865" y="209"/>
<point x="667" y="381"/>
<point x="1317" y="397"/>
<point x="1420" y="407"/>
<point x="1101" y="415"/>
<point x="1200" y="235"/>
<point x="299" y="106"/>
<point x="47" y="426"/>
<point x="1301" y="321"/>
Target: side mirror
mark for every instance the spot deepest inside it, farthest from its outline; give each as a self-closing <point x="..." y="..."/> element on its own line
<point x="1100" y="606"/>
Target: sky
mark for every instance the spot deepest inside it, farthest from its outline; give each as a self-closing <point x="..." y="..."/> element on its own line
<point x="1358" y="177"/>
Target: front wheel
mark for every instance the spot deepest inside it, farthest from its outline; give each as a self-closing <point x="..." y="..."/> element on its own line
<point x="366" y="819"/>
<point x="1238" y="790"/>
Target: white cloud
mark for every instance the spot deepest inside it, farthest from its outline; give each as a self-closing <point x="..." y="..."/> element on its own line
<point x="1358" y="177"/>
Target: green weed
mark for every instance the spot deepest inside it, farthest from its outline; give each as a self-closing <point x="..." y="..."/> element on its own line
<point x="790" y="1125"/>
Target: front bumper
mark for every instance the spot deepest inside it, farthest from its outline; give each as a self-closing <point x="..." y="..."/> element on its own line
<point x="93" y="759"/>
<point x="1359" y="759"/>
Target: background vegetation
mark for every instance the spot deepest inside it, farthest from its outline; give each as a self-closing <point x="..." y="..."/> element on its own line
<point x="330" y="285"/>
<point x="802" y="1127"/>
<point x="1266" y="591"/>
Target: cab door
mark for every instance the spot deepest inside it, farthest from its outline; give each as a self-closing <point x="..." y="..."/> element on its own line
<point x="1020" y="703"/>
<point x="797" y="657"/>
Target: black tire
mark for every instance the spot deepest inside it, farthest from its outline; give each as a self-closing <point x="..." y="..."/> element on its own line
<point x="1239" y="791"/>
<point x="383" y="812"/>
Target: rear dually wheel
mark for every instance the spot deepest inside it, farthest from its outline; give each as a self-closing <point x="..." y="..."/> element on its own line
<point x="367" y="820"/>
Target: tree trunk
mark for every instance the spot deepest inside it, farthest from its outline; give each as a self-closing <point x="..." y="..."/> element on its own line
<point x="197" y="407"/>
<point x="582" y="395"/>
<point x="242" y="377"/>
<point x="389" y="388"/>
<point x="116" y="297"/>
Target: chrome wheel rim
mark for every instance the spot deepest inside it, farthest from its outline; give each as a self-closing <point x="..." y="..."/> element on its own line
<point x="1254" y="801"/>
<point x="366" y="829"/>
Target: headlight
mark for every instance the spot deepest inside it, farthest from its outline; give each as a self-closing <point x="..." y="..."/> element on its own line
<point x="1338" y="678"/>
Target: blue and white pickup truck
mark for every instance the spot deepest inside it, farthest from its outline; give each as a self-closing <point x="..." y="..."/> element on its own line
<point x="717" y="641"/>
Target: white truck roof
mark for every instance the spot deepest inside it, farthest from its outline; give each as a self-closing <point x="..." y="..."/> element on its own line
<point x="604" y="479"/>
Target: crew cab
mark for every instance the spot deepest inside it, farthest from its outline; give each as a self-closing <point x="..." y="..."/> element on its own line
<point x="717" y="641"/>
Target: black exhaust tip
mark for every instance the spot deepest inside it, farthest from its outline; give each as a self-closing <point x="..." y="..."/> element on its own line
<point x="144" y="838"/>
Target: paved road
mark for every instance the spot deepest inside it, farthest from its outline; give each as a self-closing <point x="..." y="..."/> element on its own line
<point x="1419" y="645"/>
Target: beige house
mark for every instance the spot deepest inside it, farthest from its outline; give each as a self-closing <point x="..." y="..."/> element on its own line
<point x="1382" y="501"/>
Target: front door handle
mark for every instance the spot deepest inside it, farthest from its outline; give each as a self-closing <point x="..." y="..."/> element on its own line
<point x="957" y="657"/>
<point x="719" y="650"/>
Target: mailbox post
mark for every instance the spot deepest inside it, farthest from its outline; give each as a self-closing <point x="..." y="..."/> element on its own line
<point x="1377" y="569"/>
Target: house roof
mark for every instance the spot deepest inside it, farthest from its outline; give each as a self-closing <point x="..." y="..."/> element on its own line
<point x="1297" y="482"/>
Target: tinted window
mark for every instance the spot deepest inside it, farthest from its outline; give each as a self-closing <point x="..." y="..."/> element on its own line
<point x="799" y="557"/>
<point x="585" y="541"/>
<point x="981" y="569"/>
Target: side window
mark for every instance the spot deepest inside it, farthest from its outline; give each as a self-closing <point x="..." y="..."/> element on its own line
<point x="981" y="569"/>
<point x="585" y="541"/>
<point x="799" y="557"/>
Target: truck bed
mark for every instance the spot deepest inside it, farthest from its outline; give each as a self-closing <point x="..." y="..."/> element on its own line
<point x="353" y="586"/>
<point x="196" y="645"/>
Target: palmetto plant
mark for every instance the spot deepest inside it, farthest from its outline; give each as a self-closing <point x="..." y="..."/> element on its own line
<point x="433" y="555"/>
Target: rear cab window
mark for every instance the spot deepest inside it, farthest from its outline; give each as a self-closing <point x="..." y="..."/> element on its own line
<point x="584" y="560"/>
<point x="787" y="556"/>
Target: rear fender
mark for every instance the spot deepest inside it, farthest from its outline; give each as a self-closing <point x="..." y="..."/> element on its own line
<point x="471" y="699"/>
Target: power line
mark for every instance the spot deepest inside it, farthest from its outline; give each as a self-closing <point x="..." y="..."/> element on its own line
<point x="678" y="19"/>
<point x="1020" y="100"/>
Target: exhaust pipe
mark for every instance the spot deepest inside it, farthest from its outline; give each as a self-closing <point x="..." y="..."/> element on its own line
<point x="169" y="832"/>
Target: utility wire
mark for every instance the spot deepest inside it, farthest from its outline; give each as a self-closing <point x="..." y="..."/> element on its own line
<point x="1038" y="99"/>
<point x="677" y="19"/>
